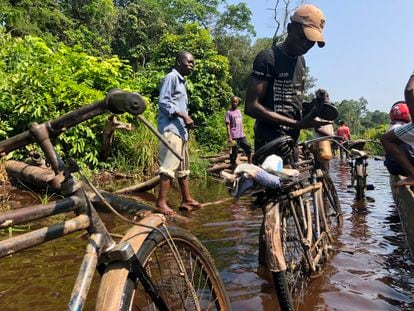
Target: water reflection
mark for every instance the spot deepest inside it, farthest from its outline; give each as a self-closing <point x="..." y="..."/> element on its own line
<point x="370" y="271"/>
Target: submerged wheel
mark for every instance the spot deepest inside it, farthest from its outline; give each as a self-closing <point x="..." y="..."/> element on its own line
<point x="290" y="284"/>
<point x="360" y="188"/>
<point x="331" y="200"/>
<point x="206" y="290"/>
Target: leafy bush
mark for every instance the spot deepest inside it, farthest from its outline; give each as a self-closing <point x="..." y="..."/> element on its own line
<point x="41" y="82"/>
<point x="208" y="86"/>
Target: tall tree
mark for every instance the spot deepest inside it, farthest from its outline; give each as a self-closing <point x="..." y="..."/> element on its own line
<point x="95" y="23"/>
<point x="36" y="17"/>
<point x="138" y="31"/>
<point x="352" y="112"/>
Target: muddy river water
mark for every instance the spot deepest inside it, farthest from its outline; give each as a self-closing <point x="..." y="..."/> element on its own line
<point x="370" y="270"/>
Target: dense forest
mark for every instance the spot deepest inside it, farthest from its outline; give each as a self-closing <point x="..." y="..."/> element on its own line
<point x="59" y="55"/>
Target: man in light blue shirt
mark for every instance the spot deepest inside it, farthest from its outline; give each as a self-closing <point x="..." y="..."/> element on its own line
<point x="174" y="123"/>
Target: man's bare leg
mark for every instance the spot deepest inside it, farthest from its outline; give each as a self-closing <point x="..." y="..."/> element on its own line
<point x="189" y="203"/>
<point x="161" y="204"/>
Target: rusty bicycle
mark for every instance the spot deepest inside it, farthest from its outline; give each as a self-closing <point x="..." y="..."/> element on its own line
<point x="300" y="217"/>
<point x="358" y="163"/>
<point x="153" y="267"/>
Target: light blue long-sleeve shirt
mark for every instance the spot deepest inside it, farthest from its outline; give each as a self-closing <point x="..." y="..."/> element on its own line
<point x="173" y="98"/>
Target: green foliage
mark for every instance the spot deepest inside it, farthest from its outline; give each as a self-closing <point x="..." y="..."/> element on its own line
<point x="236" y="18"/>
<point x="213" y="135"/>
<point x="179" y="12"/>
<point x="356" y="115"/>
<point x="137" y="33"/>
<point x="40" y="83"/>
<point x="198" y="165"/>
<point x="34" y="17"/>
<point x="137" y="151"/>
<point x="208" y="85"/>
<point x="306" y="134"/>
<point x="238" y="51"/>
<point x="374" y="134"/>
<point x="373" y="119"/>
<point x="351" y="112"/>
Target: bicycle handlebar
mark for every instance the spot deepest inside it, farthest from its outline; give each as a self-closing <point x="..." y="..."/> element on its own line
<point x="119" y="102"/>
<point x="116" y="101"/>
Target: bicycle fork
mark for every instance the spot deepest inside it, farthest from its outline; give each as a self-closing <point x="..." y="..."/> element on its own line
<point x="124" y="252"/>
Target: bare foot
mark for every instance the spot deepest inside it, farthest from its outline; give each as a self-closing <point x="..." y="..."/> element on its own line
<point x="191" y="205"/>
<point x="164" y="209"/>
<point x="409" y="181"/>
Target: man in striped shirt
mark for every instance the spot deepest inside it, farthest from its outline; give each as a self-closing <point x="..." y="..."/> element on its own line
<point x="393" y="141"/>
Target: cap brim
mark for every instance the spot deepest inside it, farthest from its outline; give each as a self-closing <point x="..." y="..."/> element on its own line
<point x="314" y="35"/>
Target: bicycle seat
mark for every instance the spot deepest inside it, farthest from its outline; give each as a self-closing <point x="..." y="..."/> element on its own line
<point x="327" y="111"/>
<point x="282" y="146"/>
<point x="359" y="153"/>
<point x="356" y="144"/>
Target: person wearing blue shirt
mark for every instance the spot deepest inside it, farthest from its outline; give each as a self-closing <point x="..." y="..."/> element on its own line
<point x="174" y="123"/>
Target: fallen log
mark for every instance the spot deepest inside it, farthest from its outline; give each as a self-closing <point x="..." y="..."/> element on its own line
<point x="45" y="178"/>
<point x="214" y="155"/>
<point x="142" y="187"/>
<point x="219" y="158"/>
<point x="218" y="167"/>
<point x="39" y="177"/>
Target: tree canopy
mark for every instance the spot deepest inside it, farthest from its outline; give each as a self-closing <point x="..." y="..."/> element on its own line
<point x="59" y="55"/>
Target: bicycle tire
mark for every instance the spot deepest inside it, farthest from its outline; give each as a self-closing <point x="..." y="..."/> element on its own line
<point x="333" y="209"/>
<point x="290" y="284"/>
<point x="160" y="264"/>
<point x="360" y="188"/>
<point x="282" y="290"/>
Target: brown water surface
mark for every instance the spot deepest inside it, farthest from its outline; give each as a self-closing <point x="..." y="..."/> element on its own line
<point x="371" y="269"/>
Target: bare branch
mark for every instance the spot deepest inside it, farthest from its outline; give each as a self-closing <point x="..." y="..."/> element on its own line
<point x="282" y="11"/>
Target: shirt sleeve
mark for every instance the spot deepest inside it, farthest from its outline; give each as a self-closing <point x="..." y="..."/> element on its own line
<point x="263" y="65"/>
<point x="227" y="117"/>
<point x="165" y="101"/>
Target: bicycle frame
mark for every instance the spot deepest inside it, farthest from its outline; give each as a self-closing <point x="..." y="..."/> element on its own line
<point x="358" y="166"/>
<point x="296" y="191"/>
<point x="100" y="244"/>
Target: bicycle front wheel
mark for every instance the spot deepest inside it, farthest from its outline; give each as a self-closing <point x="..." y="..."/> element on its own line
<point x="203" y="288"/>
<point x="331" y="200"/>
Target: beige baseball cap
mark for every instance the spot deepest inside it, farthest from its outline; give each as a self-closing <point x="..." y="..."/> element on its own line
<point x="313" y="21"/>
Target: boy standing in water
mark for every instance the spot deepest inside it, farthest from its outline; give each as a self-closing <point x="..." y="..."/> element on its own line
<point x="235" y="133"/>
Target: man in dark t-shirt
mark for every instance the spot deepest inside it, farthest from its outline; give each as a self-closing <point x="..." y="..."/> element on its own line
<point x="276" y="86"/>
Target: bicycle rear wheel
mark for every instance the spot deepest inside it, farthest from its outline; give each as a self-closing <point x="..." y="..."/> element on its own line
<point x="331" y="200"/>
<point x="206" y="290"/>
<point x="360" y="188"/>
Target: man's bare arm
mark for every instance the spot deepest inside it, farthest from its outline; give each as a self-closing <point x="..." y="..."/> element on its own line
<point x="256" y="90"/>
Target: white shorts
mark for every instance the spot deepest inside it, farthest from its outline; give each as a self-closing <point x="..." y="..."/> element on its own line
<point x="405" y="133"/>
<point x="170" y="165"/>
